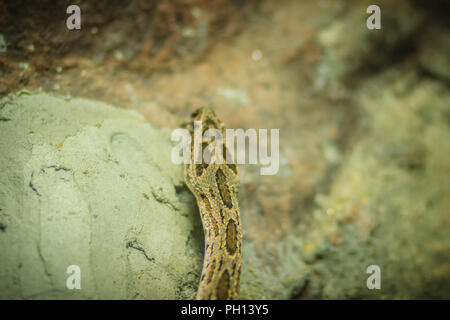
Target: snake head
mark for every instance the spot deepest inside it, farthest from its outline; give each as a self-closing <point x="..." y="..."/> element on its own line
<point x="208" y="119"/>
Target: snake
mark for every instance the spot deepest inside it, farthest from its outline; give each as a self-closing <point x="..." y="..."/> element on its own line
<point x="215" y="187"/>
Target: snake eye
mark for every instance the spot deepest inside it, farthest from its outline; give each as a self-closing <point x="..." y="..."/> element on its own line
<point x="195" y="113"/>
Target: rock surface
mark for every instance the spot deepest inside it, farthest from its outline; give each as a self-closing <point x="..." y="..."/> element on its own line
<point x="86" y="184"/>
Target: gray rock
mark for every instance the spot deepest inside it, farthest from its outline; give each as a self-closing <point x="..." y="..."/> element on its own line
<point x="86" y="184"/>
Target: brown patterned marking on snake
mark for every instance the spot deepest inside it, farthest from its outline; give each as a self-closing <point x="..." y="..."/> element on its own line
<point x="199" y="169"/>
<point x="224" y="190"/>
<point x="226" y="155"/>
<point x="223" y="286"/>
<point x="238" y="276"/>
<point x="232" y="166"/>
<point x="209" y="124"/>
<point x="231" y="239"/>
<point x="211" y="268"/>
<point x="215" y="189"/>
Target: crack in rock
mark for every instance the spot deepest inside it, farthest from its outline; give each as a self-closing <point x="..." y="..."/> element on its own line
<point x="134" y="244"/>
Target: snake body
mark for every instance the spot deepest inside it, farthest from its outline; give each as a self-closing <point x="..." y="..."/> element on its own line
<point x="215" y="187"/>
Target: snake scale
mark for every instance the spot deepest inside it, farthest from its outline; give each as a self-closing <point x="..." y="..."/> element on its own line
<point x="215" y="187"/>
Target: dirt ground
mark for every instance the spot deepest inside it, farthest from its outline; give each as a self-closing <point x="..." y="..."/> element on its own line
<point x="299" y="66"/>
<point x="253" y="65"/>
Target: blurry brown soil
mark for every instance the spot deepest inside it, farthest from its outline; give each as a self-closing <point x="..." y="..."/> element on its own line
<point x="252" y="61"/>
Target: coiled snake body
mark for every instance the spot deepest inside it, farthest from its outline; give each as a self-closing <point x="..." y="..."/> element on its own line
<point x="215" y="187"/>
